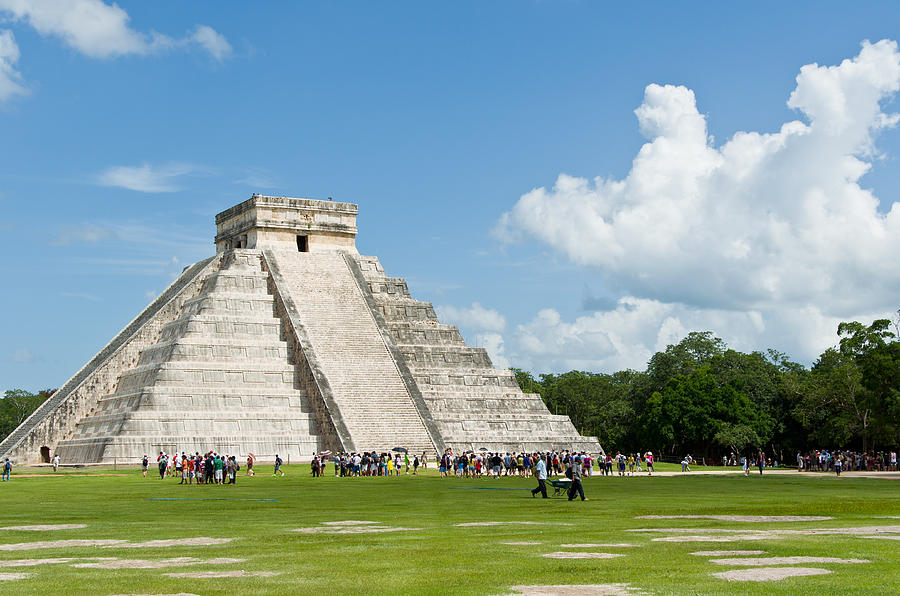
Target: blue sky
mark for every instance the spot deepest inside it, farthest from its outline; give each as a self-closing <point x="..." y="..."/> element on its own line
<point x="127" y="127"/>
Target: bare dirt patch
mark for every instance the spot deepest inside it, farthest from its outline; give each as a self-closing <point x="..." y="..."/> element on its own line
<point x="884" y="537"/>
<point x="695" y="530"/>
<point x="581" y="555"/>
<point x="60" y="544"/>
<point x="595" y="545"/>
<point x="864" y="531"/>
<point x="45" y="527"/>
<point x="352" y="529"/>
<point x="34" y="562"/>
<point x="584" y="590"/>
<point x="521" y="543"/>
<point x="728" y="553"/>
<point x="224" y="573"/>
<point x="8" y="577"/>
<point x="197" y="541"/>
<point x="768" y="574"/>
<point x="348" y="522"/>
<point x="763" y="561"/>
<point x="510" y="523"/>
<point x="744" y="518"/>
<point x="711" y="538"/>
<point x="156" y="563"/>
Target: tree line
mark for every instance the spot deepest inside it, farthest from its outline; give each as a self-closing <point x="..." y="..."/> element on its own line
<point x="16" y="405"/>
<point x="700" y="397"/>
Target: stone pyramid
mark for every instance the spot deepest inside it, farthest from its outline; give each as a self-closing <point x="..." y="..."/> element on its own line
<point x="290" y="342"/>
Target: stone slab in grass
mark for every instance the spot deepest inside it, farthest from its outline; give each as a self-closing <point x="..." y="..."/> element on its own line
<point x="768" y="574"/>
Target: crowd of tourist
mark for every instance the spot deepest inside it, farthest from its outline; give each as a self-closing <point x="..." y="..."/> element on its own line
<point x="214" y="468"/>
<point x="824" y="460"/>
<point x="209" y="468"/>
<point x="368" y="463"/>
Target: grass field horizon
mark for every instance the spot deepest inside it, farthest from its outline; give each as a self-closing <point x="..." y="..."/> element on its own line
<point x="435" y="555"/>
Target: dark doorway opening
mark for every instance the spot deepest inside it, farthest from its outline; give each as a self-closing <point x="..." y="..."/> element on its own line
<point x="45" y="455"/>
<point x="303" y="243"/>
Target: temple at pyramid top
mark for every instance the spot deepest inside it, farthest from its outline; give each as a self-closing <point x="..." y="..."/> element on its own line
<point x="287" y="341"/>
<point x="308" y="225"/>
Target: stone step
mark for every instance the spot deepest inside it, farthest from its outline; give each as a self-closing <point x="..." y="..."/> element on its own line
<point x="350" y="349"/>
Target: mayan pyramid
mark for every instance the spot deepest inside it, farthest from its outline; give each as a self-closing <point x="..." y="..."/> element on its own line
<point x="287" y="341"/>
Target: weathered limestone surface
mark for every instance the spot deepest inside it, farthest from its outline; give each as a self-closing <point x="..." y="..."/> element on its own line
<point x="56" y="418"/>
<point x="288" y="341"/>
<point x="473" y="404"/>
<point x="366" y="384"/>
<point x="219" y="377"/>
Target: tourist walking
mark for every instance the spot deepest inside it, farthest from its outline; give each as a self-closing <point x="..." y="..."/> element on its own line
<point x="649" y="459"/>
<point x="161" y="463"/>
<point x="540" y="470"/>
<point x="575" y="466"/>
<point x="145" y="464"/>
<point x="278" y="463"/>
<point x="7" y="468"/>
<point x="56" y="462"/>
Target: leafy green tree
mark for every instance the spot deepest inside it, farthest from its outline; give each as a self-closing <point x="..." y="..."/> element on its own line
<point x="17" y="405"/>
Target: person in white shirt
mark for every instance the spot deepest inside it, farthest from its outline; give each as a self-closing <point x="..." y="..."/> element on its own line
<point x="540" y="470"/>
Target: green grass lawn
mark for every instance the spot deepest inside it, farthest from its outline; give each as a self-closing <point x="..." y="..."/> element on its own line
<point x="440" y="558"/>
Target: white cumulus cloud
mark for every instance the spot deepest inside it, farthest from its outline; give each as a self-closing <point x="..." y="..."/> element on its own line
<point x="10" y="79"/>
<point x="100" y="30"/>
<point x="775" y="224"/>
<point x="475" y="317"/>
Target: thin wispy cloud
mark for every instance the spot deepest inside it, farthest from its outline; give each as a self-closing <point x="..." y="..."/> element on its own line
<point x="147" y="177"/>
<point x="23" y="356"/>
<point x="84" y="234"/>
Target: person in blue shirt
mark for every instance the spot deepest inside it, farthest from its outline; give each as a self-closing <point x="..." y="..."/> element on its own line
<point x="7" y="468"/>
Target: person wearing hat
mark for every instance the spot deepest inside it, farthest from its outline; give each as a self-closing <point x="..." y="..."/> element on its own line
<point x="649" y="463"/>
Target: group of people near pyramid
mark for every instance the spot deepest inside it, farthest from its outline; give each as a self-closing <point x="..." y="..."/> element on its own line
<point x="209" y="468"/>
<point x="470" y="464"/>
<point x="368" y="463"/>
